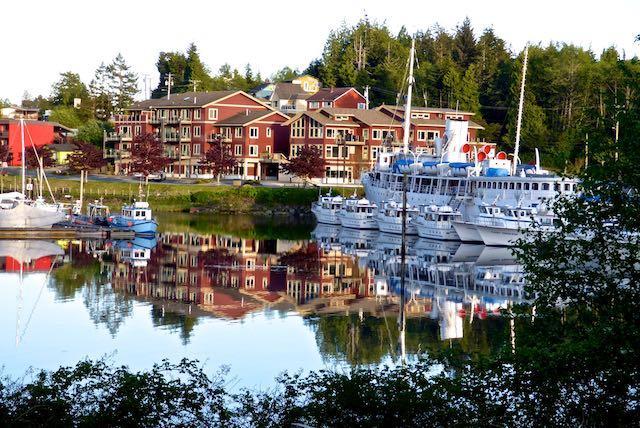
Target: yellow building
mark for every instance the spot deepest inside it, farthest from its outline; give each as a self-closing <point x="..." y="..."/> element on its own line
<point x="62" y="151"/>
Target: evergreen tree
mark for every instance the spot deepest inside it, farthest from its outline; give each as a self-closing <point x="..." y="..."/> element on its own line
<point x="465" y="44"/>
<point x="68" y="88"/>
<point x="100" y="92"/>
<point x="195" y="72"/>
<point x="123" y="83"/>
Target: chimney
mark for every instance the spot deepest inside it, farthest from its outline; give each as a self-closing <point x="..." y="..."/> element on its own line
<point x="195" y="99"/>
<point x="246" y="112"/>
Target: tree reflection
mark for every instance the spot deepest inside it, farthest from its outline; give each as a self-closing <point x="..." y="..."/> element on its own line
<point x="174" y="321"/>
<point x="106" y="306"/>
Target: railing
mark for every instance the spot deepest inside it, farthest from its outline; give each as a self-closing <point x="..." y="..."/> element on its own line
<point x="166" y="120"/>
<point x="215" y="139"/>
<point x="117" y="136"/>
<point x="278" y="157"/>
<point x="131" y="117"/>
<point x="171" y="137"/>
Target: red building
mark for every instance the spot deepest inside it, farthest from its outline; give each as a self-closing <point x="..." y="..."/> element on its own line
<point x="188" y="123"/>
<point x="36" y="133"/>
<point x="338" y="98"/>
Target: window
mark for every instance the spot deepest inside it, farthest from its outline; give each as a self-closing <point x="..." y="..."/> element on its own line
<point x="331" y="133"/>
<point x="419" y="115"/>
<point x="315" y="129"/>
<point x="269" y="149"/>
<point x="185" y="149"/>
<point x="422" y="135"/>
<point x="432" y="135"/>
<point x="326" y="103"/>
<point x="186" y="131"/>
<point x="238" y="132"/>
<point x="341" y="117"/>
<point x="196" y="149"/>
<point x="376" y="134"/>
<point x="253" y="150"/>
<point x="196" y="131"/>
<point x="454" y="116"/>
<point x="138" y="130"/>
<point x="268" y="132"/>
<point x="306" y="86"/>
<point x="365" y="134"/>
<point x="196" y="114"/>
<point x="213" y="114"/>
<point x="365" y="153"/>
<point x="314" y="104"/>
<point x="253" y="132"/>
<point x="238" y="150"/>
<point x="297" y="128"/>
<point x="362" y="106"/>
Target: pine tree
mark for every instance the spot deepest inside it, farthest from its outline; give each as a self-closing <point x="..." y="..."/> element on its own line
<point x="68" y="88"/>
<point x="469" y="92"/>
<point x="465" y="44"/>
<point x="123" y="83"/>
<point x="100" y="92"/>
<point x="196" y="72"/>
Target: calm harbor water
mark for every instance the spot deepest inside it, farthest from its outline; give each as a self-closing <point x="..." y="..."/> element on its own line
<point x="256" y="296"/>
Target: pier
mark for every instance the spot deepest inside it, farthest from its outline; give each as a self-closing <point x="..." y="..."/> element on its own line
<point x="66" y="232"/>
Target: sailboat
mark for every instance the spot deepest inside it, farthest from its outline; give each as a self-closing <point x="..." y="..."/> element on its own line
<point x="18" y="212"/>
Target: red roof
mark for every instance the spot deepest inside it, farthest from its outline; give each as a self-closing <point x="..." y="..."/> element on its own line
<point x="329" y="94"/>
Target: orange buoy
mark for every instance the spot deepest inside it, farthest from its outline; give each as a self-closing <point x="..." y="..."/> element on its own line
<point x="466" y="148"/>
<point x="486" y="149"/>
<point x="501" y="155"/>
<point x="481" y="156"/>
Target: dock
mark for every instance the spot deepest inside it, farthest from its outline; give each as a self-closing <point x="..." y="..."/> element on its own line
<point x="66" y="232"/>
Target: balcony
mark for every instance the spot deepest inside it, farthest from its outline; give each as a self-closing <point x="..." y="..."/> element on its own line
<point x="289" y="109"/>
<point x="273" y="157"/>
<point x="120" y="118"/>
<point x="171" y="137"/>
<point x="117" y="136"/>
<point x="173" y="120"/>
<point x="218" y="137"/>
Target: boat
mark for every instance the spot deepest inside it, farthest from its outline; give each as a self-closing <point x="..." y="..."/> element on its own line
<point x="97" y="215"/>
<point x="504" y="226"/>
<point x="462" y="174"/>
<point x="358" y="213"/>
<point x="135" y="217"/>
<point x="435" y="222"/>
<point x="389" y="218"/>
<point x="326" y="209"/>
<point x="136" y="252"/>
<point x="18" y="212"/>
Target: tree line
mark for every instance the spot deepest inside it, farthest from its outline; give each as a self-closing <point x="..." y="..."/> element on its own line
<point x="573" y="93"/>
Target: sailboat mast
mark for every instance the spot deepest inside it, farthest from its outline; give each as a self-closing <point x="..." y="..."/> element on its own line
<point x="23" y="160"/>
<point x="516" y="149"/>
<point x="407" y="109"/>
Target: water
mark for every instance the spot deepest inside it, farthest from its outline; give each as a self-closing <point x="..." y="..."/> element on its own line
<point x="258" y="297"/>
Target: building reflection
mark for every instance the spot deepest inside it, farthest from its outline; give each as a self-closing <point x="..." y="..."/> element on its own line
<point x="345" y="283"/>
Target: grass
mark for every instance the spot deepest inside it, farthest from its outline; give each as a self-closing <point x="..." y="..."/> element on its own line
<point x="181" y="197"/>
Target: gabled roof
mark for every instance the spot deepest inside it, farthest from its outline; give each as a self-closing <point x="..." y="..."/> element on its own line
<point x="62" y="147"/>
<point x="189" y="99"/>
<point x="368" y="117"/>
<point x="320" y="118"/>
<point x="400" y="110"/>
<point x="441" y="123"/>
<point x="289" y="91"/>
<point x="246" y="118"/>
<point x="331" y="94"/>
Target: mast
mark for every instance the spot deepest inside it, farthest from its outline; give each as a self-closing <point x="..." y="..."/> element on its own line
<point x="407" y="109"/>
<point x="520" y="107"/>
<point x="23" y="160"/>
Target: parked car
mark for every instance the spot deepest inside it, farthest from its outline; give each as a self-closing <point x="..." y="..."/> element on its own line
<point x="156" y="176"/>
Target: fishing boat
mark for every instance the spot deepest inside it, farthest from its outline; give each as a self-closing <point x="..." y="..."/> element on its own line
<point x="358" y="213"/>
<point x="326" y="209"/>
<point x="435" y="222"/>
<point x="19" y="212"/>
<point x="135" y="217"/>
<point x="504" y="226"/>
<point x="136" y="252"/>
<point x="389" y="218"/>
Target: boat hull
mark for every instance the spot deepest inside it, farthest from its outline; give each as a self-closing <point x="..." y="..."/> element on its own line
<point x="499" y="236"/>
<point x="139" y="227"/>
<point x="390" y="226"/>
<point x="427" y="230"/>
<point x="466" y="231"/>
<point x="24" y="216"/>
<point x="356" y="221"/>
<point x="325" y="216"/>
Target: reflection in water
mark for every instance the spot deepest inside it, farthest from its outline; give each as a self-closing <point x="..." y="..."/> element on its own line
<point x="345" y="285"/>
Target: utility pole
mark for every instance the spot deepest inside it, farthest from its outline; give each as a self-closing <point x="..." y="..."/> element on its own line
<point x="194" y="83"/>
<point x="426" y="98"/>
<point x="169" y="83"/>
<point x="366" y="96"/>
<point x="617" y="129"/>
<point x="145" y="76"/>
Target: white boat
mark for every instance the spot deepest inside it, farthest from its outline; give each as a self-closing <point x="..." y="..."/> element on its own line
<point x="435" y="222"/>
<point x="466" y="231"/>
<point x="18" y="212"/>
<point x="389" y="218"/>
<point x="358" y="213"/>
<point x="326" y="209"/>
<point x="504" y="226"/>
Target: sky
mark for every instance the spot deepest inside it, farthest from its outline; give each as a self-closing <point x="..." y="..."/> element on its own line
<point x="45" y="38"/>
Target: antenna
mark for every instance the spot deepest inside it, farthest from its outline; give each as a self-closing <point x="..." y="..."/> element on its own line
<point x="407" y="110"/>
<point x="520" y="106"/>
<point x="194" y="82"/>
<point x="169" y="83"/>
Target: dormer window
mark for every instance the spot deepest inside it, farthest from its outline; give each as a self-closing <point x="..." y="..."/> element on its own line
<point x="419" y="115"/>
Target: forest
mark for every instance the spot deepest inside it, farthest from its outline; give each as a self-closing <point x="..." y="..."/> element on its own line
<point x="573" y="94"/>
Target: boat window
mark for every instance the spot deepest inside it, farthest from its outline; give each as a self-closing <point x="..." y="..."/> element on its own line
<point x="545" y="186"/>
<point x="534" y="186"/>
<point x="518" y="186"/>
<point x="526" y="186"/>
<point x="495" y="185"/>
<point x="567" y="187"/>
<point x="556" y="187"/>
<point x="511" y="186"/>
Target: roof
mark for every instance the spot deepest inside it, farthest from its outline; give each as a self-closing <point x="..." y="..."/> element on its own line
<point x="290" y="91"/>
<point x="330" y="94"/>
<point x="400" y="109"/>
<point x="244" y="118"/>
<point x="441" y="123"/>
<point x="368" y="117"/>
<point x="183" y="99"/>
<point x="63" y="147"/>
<point x="321" y="118"/>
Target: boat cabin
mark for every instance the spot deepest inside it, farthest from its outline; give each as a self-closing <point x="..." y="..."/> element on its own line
<point x="137" y="211"/>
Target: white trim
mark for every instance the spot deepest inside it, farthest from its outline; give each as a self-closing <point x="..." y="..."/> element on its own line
<point x="257" y="131"/>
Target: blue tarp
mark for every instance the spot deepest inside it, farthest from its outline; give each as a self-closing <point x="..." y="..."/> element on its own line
<point x="497" y="172"/>
<point x="460" y="164"/>
<point x="430" y="163"/>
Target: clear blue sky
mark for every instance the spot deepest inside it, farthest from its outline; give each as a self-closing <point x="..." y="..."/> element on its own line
<point x="44" y="38"/>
